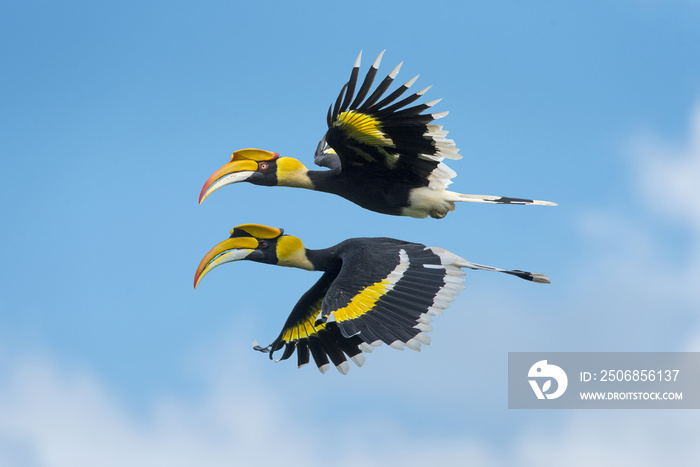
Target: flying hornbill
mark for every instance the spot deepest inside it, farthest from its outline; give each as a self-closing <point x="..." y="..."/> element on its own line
<point x="372" y="290"/>
<point x="384" y="156"/>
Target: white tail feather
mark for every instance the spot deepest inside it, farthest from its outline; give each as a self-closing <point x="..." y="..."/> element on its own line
<point x="450" y="259"/>
<point x="530" y="276"/>
<point x="459" y="197"/>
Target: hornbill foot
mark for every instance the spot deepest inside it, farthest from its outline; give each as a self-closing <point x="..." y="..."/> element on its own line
<point x="437" y="214"/>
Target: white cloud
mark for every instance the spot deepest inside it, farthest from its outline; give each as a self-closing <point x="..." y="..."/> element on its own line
<point x="639" y="438"/>
<point x="669" y="177"/>
<point x="56" y="417"/>
<point x="669" y="174"/>
<point x="636" y="246"/>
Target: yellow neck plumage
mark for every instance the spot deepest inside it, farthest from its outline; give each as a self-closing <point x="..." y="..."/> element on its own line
<point x="292" y="253"/>
<point x="291" y="172"/>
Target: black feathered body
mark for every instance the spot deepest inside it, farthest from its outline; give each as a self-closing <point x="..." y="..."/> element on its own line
<point x="379" y="190"/>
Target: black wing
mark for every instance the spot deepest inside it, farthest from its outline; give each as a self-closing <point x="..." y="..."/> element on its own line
<point x="306" y="334"/>
<point x="387" y="291"/>
<point x="370" y="130"/>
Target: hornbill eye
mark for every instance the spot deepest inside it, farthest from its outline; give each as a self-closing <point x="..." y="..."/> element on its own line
<point x="262" y="244"/>
<point x="263" y="166"/>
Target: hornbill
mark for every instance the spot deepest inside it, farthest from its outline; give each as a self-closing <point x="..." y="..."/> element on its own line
<point x="383" y="155"/>
<point x="372" y="290"/>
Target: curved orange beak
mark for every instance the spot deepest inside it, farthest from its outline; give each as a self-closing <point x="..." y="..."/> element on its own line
<point x="244" y="163"/>
<point x="231" y="249"/>
<point x="232" y="172"/>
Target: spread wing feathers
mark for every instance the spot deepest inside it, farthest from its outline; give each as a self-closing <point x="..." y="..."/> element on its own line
<point x="310" y="337"/>
<point x="370" y="131"/>
<point x="392" y="298"/>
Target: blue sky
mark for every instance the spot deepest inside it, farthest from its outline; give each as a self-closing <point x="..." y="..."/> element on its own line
<point x="112" y="116"/>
